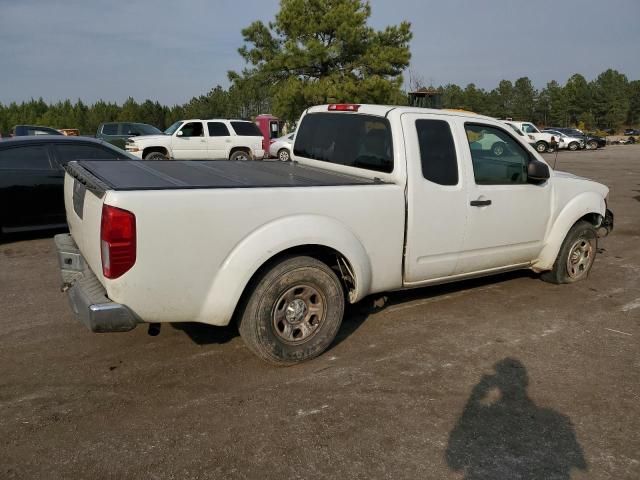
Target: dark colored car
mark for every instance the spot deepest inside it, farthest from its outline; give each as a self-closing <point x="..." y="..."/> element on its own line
<point x="117" y="133"/>
<point x="591" y="142"/>
<point x="32" y="175"/>
<point x="631" y="131"/>
<point x="33" y="130"/>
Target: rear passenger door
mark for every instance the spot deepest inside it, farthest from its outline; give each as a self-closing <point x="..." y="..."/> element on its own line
<point x="28" y="188"/>
<point x="219" y="141"/>
<point x="436" y="198"/>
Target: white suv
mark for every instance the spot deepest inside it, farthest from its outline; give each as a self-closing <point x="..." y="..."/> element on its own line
<point x="201" y="140"/>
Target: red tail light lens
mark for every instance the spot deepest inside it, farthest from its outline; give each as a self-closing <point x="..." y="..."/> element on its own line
<point x="343" y="107"/>
<point x="117" y="241"/>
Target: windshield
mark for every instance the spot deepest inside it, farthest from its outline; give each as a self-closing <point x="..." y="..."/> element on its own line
<point x="172" y="129"/>
<point x="516" y="129"/>
<point x="148" y="129"/>
<point x="530" y="128"/>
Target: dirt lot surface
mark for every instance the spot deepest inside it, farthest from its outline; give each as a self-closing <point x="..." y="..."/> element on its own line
<point x="502" y="378"/>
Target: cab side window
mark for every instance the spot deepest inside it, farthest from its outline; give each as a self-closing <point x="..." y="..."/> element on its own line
<point x="192" y="129"/>
<point x="498" y="159"/>
<point x="217" y="129"/>
<point x="437" y="152"/>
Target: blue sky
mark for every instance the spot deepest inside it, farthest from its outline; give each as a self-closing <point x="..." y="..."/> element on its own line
<point x="173" y="50"/>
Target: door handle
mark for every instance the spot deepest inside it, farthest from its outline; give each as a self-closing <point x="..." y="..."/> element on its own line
<point x="480" y="203"/>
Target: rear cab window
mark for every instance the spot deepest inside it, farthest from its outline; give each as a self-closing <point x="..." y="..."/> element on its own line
<point x="349" y="139"/>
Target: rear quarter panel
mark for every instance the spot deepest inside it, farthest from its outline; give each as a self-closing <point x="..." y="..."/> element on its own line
<point x="188" y="239"/>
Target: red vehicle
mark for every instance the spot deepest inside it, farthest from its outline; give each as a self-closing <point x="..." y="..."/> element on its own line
<point x="271" y="128"/>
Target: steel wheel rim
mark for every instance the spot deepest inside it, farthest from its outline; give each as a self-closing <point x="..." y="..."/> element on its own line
<point x="542" y="148"/>
<point x="298" y="314"/>
<point x="580" y="259"/>
<point x="242" y="157"/>
<point x="284" y="155"/>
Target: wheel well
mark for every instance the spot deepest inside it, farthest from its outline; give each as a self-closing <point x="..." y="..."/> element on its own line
<point x="149" y="150"/>
<point x="593" y="218"/>
<point x="327" y="255"/>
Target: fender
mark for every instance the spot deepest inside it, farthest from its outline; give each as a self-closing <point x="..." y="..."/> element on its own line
<point x="578" y="207"/>
<point x="271" y="239"/>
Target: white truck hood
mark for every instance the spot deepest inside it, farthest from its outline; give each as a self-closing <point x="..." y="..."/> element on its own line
<point x="156" y="139"/>
<point x="588" y="185"/>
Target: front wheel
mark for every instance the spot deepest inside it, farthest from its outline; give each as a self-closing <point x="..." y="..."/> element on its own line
<point x="541" y="147"/>
<point x="294" y="311"/>
<point x="592" y="145"/>
<point x="156" y="156"/>
<point x="573" y="146"/>
<point x="576" y="256"/>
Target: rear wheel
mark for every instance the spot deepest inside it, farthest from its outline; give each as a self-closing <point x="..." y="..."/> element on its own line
<point x="576" y="256"/>
<point x="240" y="155"/>
<point x="155" y="156"/>
<point x="541" y="147"/>
<point x="283" y="155"/>
<point x="498" y="149"/>
<point x="294" y="311"/>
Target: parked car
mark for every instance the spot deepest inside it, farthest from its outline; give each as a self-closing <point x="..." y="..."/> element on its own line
<point x="379" y="198"/>
<point x="201" y="140"/>
<point x="31" y="177"/>
<point x="542" y="142"/>
<point x="30" y="130"/>
<point x="281" y="147"/>
<point x="117" y="133"/>
<point x="565" y="141"/>
<point x="591" y="141"/>
<point x="631" y="131"/>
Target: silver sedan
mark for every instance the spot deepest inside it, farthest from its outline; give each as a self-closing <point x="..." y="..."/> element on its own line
<point x="280" y="148"/>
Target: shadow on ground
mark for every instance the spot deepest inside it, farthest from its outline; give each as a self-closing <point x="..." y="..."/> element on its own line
<point x="503" y="434"/>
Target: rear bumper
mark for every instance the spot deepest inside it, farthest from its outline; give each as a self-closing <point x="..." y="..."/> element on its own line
<point x="87" y="296"/>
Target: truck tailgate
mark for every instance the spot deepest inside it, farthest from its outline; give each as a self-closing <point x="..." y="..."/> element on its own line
<point x="83" y="204"/>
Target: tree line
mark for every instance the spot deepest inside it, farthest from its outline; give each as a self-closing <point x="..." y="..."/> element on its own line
<point x="324" y="51"/>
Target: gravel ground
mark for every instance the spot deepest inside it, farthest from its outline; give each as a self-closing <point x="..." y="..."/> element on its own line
<point x="500" y="378"/>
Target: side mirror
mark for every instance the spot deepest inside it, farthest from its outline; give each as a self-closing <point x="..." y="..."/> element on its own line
<point x="179" y="134"/>
<point x="537" y="172"/>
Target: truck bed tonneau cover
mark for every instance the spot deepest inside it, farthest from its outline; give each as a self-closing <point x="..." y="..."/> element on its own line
<point x="168" y="175"/>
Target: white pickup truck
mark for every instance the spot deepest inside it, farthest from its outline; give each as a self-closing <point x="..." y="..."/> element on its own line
<point x="541" y="141"/>
<point x="201" y="140"/>
<point x="377" y="199"/>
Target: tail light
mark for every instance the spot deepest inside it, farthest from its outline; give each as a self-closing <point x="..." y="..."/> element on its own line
<point x="343" y="107"/>
<point x="117" y="241"/>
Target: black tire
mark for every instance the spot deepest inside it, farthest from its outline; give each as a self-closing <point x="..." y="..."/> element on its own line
<point x="542" y="147"/>
<point x="573" y="146"/>
<point x="283" y="155"/>
<point x="592" y="145"/>
<point x="276" y="326"/>
<point x="155" y="156"/>
<point x="498" y="148"/>
<point x="581" y="233"/>
<point x="240" y="155"/>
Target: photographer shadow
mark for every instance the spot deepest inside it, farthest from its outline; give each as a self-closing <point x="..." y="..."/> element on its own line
<point x="502" y="434"/>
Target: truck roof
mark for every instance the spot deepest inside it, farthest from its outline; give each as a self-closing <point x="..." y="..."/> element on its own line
<point x="385" y="110"/>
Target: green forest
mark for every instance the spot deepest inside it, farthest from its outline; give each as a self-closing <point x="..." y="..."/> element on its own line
<point x="321" y="52"/>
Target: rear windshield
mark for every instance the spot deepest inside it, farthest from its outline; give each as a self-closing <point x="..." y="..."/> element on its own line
<point x="246" y="129"/>
<point x="354" y="140"/>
